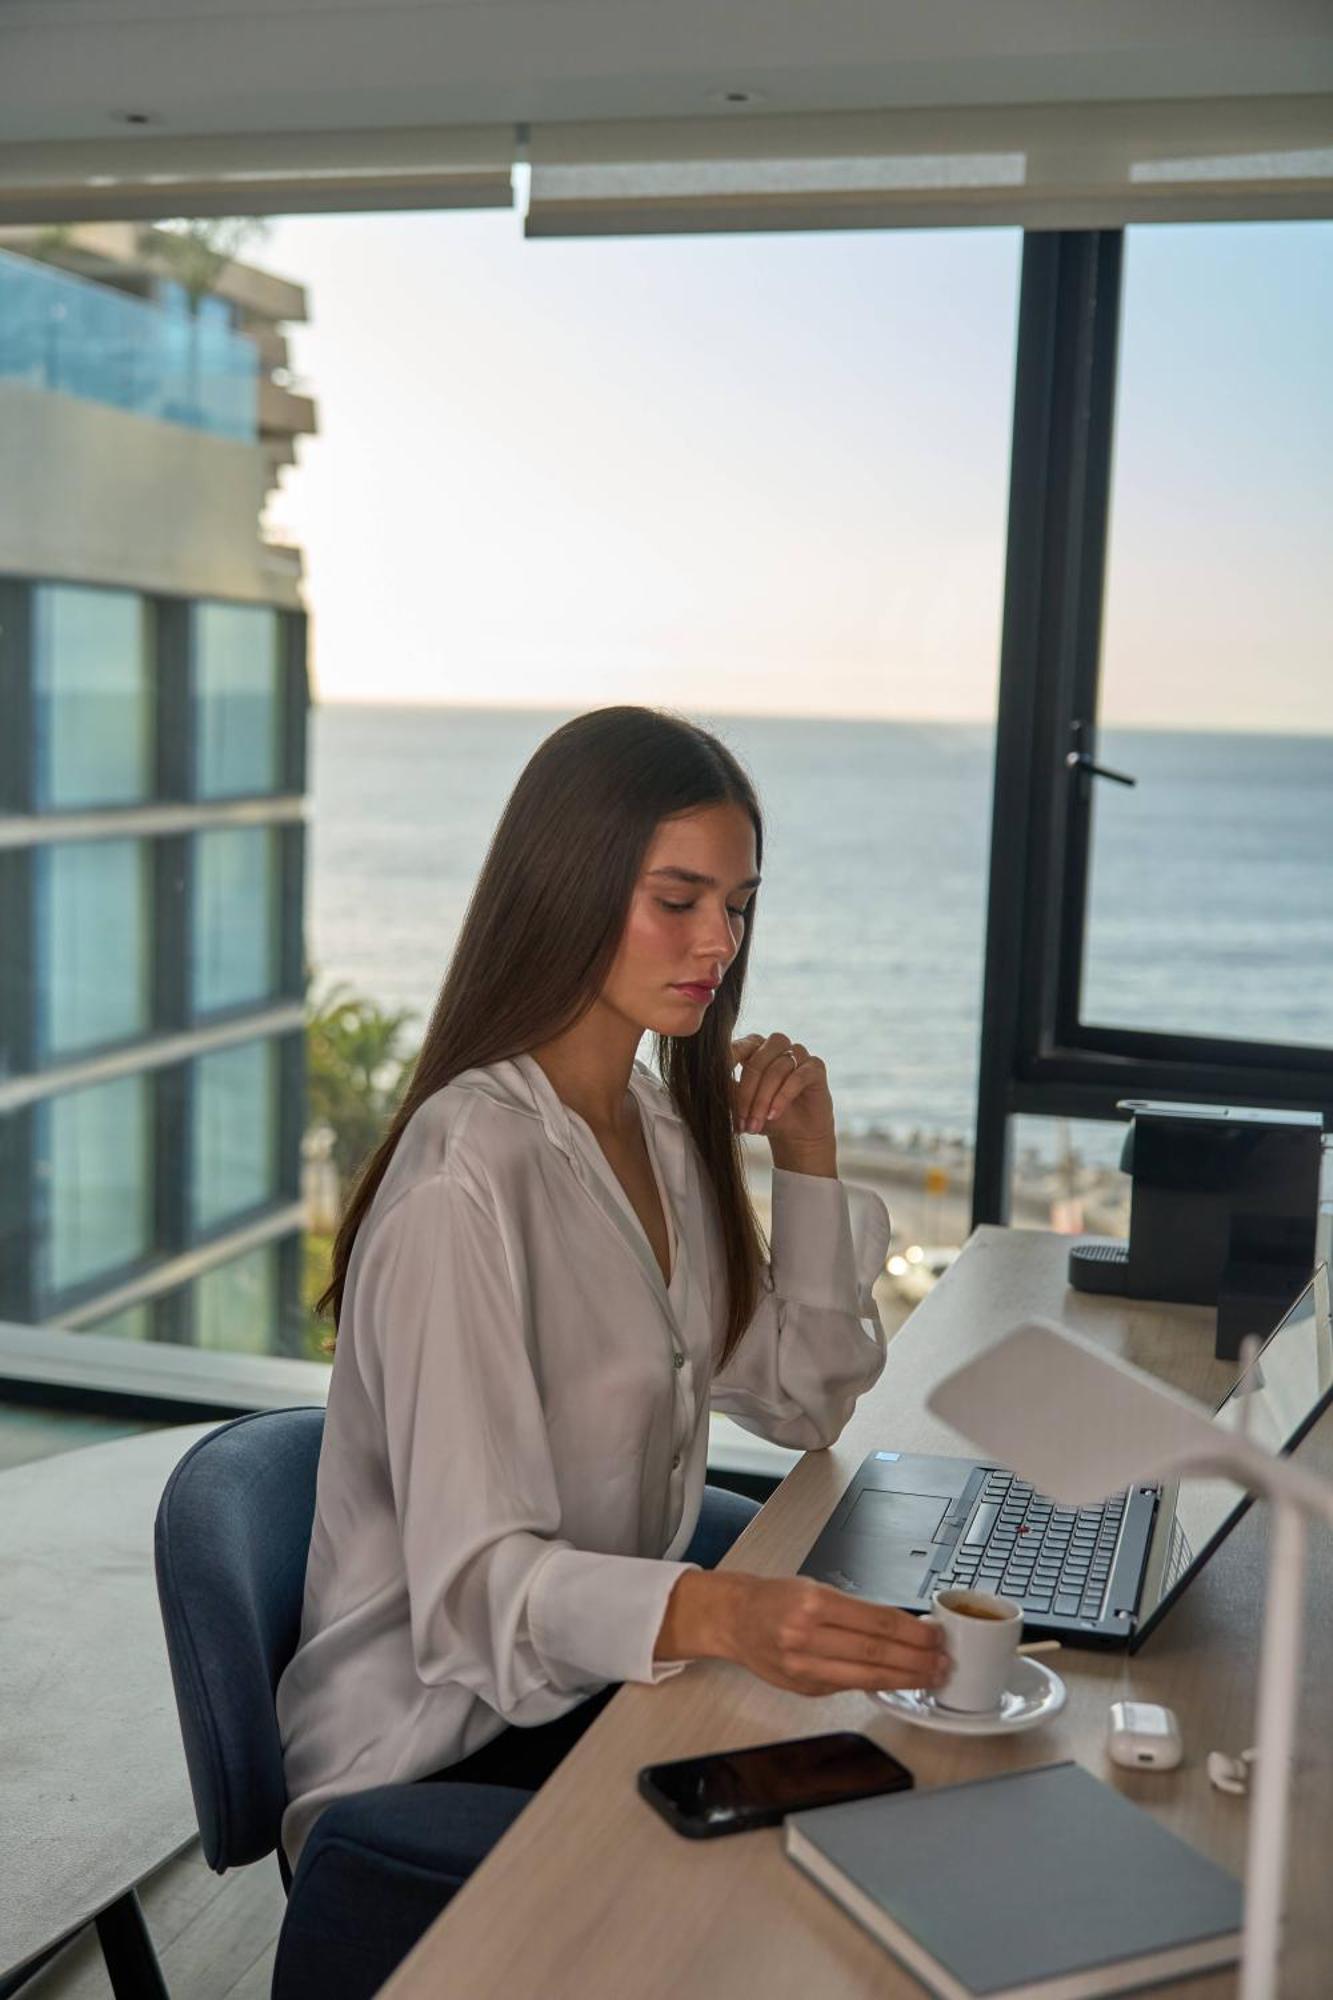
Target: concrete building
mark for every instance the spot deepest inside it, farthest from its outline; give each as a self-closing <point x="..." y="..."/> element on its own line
<point x="152" y="770"/>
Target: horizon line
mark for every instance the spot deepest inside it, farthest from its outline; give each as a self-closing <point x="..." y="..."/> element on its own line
<point x="566" y="709"/>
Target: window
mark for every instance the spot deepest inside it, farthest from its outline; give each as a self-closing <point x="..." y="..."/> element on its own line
<point x="92" y="698"/>
<point x="1067" y="1177"/>
<point x="236" y="1304"/>
<point x="92" y="919"/>
<point x="94" y="1179"/>
<point x="235" y="938"/>
<point x="134" y="1323"/>
<point x="1168" y="938"/>
<point x="237" y="692"/>
<point x="1209" y="907"/>
<point x="773" y="478"/>
<point x="234" y="1138"/>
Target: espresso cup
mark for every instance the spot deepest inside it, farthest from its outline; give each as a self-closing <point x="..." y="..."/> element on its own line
<point x="982" y="1634"/>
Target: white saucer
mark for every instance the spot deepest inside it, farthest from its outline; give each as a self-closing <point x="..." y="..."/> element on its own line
<point x="1033" y="1696"/>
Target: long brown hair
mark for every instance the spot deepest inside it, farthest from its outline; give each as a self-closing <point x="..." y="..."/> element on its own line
<point x="541" y="932"/>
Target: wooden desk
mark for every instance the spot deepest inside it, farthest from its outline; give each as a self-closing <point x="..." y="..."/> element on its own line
<point x="591" y="1895"/>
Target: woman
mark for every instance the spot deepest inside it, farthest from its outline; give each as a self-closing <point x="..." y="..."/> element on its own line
<point x="547" y="1273"/>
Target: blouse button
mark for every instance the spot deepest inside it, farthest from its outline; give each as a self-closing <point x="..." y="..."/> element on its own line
<point x="675" y="1463"/>
<point x="678" y="1358"/>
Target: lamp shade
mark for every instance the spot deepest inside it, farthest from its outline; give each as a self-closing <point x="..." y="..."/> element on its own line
<point x="1079" y="1422"/>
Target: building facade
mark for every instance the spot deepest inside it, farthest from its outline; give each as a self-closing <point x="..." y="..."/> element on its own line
<point x="153" y="690"/>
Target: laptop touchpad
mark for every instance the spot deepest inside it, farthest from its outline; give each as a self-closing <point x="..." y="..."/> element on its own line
<point x="908" y="1517"/>
<point x="886" y="1542"/>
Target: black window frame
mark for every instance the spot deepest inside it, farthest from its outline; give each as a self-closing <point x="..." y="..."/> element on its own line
<point x="1038" y="1057"/>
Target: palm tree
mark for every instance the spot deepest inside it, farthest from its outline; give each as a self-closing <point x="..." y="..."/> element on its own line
<point x="198" y="250"/>
<point x="358" y="1064"/>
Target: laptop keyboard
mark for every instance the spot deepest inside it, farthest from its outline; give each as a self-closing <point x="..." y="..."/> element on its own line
<point x="1022" y="1545"/>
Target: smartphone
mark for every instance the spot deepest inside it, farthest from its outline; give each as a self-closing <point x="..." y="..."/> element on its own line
<point x="735" y="1790"/>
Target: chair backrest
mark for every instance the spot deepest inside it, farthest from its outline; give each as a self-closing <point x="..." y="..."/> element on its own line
<point x="232" y="1538"/>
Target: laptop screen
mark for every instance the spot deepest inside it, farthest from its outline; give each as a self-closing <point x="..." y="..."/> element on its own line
<point x="1288" y="1387"/>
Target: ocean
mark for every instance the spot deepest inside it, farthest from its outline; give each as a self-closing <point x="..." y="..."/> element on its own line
<point x="1210" y="909"/>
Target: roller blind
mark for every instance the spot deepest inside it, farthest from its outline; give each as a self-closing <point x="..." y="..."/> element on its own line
<point x="287" y="173"/>
<point x="1036" y="166"/>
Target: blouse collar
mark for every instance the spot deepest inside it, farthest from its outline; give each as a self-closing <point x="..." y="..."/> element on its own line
<point x="650" y="1095"/>
<point x="667" y="1140"/>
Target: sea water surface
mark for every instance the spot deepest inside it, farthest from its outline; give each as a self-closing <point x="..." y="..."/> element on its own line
<point x="1210" y="907"/>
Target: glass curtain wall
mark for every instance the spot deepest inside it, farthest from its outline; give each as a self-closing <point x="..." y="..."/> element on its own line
<point x="151" y="919"/>
<point x="154" y="695"/>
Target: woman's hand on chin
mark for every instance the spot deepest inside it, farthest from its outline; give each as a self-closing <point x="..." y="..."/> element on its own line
<point x="782" y="1091"/>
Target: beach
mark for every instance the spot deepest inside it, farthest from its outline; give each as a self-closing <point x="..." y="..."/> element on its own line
<point x="928" y="1193"/>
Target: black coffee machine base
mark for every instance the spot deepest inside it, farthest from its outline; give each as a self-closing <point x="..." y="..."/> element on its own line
<point x="1100" y="1264"/>
<point x="1251" y="1298"/>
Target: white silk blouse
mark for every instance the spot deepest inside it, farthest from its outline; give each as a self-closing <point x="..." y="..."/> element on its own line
<point x="515" y="1449"/>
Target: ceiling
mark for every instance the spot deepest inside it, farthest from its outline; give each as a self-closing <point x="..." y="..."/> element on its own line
<point x="80" y="69"/>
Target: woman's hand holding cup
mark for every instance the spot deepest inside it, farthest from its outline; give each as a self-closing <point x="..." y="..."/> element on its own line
<point x="801" y="1635"/>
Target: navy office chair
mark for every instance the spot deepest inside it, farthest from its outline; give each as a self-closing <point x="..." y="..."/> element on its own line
<point x="233" y="1533"/>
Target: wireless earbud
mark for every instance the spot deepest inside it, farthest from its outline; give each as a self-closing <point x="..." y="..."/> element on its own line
<point x="1230" y="1774"/>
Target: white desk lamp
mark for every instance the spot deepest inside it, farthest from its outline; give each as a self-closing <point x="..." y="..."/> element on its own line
<point x="1080" y="1424"/>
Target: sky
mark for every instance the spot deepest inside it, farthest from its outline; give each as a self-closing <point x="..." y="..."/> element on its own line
<point x="768" y="474"/>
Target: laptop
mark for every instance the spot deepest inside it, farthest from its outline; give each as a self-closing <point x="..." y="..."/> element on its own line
<point x="1097" y="1576"/>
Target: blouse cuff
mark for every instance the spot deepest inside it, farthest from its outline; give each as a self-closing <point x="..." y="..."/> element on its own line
<point x="829" y="1242"/>
<point x="597" y="1617"/>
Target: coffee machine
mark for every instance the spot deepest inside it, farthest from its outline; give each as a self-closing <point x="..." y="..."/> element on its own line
<point x="1223" y="1213"/>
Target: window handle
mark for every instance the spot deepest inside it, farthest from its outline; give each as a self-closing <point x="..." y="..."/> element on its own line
<point x="1079" y="760"/>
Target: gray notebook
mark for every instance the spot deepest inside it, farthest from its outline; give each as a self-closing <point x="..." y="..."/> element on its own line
<point x="1040" y="1882"/>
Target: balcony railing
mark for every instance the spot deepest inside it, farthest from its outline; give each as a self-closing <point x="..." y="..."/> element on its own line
<point x="181" y="367"/>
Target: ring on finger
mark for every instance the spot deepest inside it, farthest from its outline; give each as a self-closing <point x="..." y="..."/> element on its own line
<point x="792" y="1056"/>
